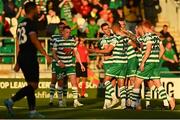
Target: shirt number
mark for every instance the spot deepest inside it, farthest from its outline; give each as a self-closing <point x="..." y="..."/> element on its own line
<point x="22" y="35"/>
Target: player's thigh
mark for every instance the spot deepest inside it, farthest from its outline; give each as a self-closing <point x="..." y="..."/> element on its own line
<point x="132" y="67"/>
<point x="156" y="71"/>
<point x="60" y="73"/>
<point x="147" y="72"/>
<point x="30" y="70"/>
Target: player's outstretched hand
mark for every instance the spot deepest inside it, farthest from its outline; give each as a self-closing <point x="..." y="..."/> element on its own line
<point x="16" y="67"/>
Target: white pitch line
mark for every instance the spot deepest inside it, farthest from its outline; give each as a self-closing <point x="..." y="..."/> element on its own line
<point x="13" y="107"/>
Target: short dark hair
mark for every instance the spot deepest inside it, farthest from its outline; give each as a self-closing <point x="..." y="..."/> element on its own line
<point x="63" y="19"/>
<point x="61" y="23"/>
<point x="66" y="27"/>
<point x="165" y="25"/>
<point x="104" y="24"/>
<point x="29" y="6"/>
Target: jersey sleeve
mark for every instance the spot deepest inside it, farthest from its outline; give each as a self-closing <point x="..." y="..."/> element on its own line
<point x="113" y="41"/>
<point x="148" y="39"/>
<point x="51" y="42"/>
<point x="55" y="46"/>
<point x="103" y="43"/>
<point x="31" y="27"/>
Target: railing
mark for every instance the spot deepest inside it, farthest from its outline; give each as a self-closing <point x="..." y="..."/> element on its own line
<point x="46" y="46"/>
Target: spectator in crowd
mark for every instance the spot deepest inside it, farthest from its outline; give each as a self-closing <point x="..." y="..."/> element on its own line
<point x="107" y="11"/>
<point x="6" y="26"/>
<point x="85" y="9"/>
<point x="9" y="8"/>
<point x="41" y="22"/>
<point x="49" y="5"/>
<point x="84" y="56"/>
<point x="42" y="5"/>
<point x="66" y="6"/>
<point x="100" y="21"/>
<point x="132" y="15"/>
<point x="94" y="13"/>
<point x="170" y="59"/>
<point x="52" y="21"/>
<point x="92" y="28"/>
<point x="82" y="26"/>
<point x="96" y="4"/>
<point x="19" y="3"/>
<point x="64" y="21"/>
<point x="114" y="4"/>
<point x="53" y="5"/>
<point x="73" y="25"/>
<point x="170" y="39"/>
<point x="104" y="1"/>
<point x="164" y="32"/>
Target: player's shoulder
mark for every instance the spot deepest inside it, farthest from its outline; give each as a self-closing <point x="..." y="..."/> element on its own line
<point x="71" y="38"/>
<point x="55" y="36"/>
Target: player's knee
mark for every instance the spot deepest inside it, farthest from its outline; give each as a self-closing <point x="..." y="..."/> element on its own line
<point x="60" y="83"/>
<point x="34" y="85"/>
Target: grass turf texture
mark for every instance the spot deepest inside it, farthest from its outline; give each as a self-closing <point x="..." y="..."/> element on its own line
<point x="92" y="109"/>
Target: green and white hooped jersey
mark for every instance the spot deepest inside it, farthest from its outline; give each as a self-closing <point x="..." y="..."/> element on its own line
<point x="105" y="40"/>
<point x="62" y="44"/>
<point x="131" y="53"/>
<point x="52" y="41"/>
<point x="120" y="50"/>
<point x="155" y="41"/>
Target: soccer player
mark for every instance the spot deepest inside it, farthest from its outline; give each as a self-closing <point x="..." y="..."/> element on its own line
<point x="27" y="61"/>
<point x="149" y="67"/>
<point x="132" y="61"/>
<point x="62" y="52"/>
<point x="121" y="57"/>
<point x="148" y="84"/>
<point x="107" y="44"/>
<point x="62" y="84"/>
<point x="111" y="66"/>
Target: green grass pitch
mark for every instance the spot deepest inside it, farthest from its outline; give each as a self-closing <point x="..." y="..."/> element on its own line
<point x="92" y="109"/>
